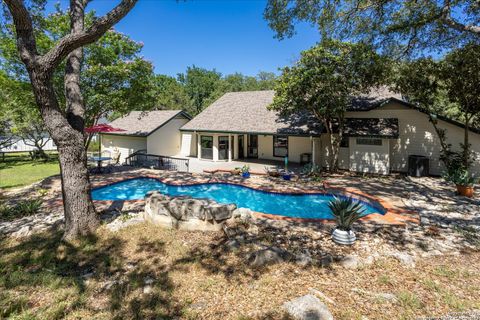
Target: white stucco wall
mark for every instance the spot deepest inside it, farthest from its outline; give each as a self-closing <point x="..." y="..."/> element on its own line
<point x="296" y="146"/>
<point x="369" y="158"/>
<point x="125" y="144"/>
<point x="418" y="137"/>
<point x="166" y="140"/>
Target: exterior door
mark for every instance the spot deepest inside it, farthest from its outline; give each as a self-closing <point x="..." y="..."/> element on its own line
<point x="223" y="148"/>
<point x="206" y="143"/>
<point x="252" y="146"/>
<point x="240" y="147"/>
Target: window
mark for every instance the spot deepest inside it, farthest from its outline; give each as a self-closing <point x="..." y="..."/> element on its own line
<point x="344" y="142"/>
<point x="280" y="146"/>
<point x="206" y="143"/>
<point x="369" y="141"/>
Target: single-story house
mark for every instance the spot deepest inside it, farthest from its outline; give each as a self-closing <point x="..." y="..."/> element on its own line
<point x="382" y="131"/>
<point x="154" y="132"/>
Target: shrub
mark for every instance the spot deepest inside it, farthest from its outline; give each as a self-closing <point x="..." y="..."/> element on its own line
<point x="21" y="209"/>
<point x="346" y="211"/>
<point x="311" y="169"/>
<point x="460" y="176"/>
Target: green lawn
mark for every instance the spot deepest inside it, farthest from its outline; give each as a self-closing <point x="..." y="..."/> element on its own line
<point x="19" y="170"/>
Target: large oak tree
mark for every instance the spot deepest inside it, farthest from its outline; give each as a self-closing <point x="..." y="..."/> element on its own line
<point x="399" y="26"/>
<point x="323" y="83"/>
<point x="65" y="126"/>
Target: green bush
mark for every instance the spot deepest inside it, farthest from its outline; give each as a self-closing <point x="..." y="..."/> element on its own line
<point x="346" y="211"/>
<point x="460" y="176"/>
<point x="311" y="169"/>
<point x="21" y="209"/>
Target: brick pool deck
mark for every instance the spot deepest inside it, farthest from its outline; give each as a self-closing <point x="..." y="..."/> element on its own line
<point x="394" y="215"/>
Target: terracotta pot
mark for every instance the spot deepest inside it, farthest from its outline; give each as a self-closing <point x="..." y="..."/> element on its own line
<point x="343" y="237"/>
<point x="466" y="191"/>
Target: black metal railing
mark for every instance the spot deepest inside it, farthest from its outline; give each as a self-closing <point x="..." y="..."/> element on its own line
<point x="153" y="161"/>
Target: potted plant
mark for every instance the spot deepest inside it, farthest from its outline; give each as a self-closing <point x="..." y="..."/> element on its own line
<point x="236" y="171"/>
<point x="463" y="180"/>
<point x="346" y="211"/>
<point x="286" y="175"/>
<point x="245" y="171"/>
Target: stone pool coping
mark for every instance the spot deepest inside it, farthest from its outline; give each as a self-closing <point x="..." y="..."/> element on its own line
<point x="393" y="215"/>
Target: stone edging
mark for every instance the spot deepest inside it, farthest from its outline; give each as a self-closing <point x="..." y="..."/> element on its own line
<point x="392" y="216"/>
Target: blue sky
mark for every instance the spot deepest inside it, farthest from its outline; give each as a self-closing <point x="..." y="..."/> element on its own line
<point x="230" y="36"/>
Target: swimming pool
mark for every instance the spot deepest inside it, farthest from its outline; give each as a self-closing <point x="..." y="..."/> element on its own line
<point x="307" y="206"/>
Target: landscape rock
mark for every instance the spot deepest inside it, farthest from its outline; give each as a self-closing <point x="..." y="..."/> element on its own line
<point x="349" y="262"/>
<point x="187" y="213"/>
<point x="404" y="258"/>
<point x="326" y="261"/>
<point x="268" y="256"/>
<point x="304" y="259"/>
<point x="307" y="307"/>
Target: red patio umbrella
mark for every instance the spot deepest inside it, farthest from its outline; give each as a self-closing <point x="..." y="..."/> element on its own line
<point x="103" y="127"/>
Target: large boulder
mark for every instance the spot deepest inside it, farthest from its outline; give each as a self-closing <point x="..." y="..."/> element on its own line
<point x="307" y="307"/>
<point x="187" y="213"/>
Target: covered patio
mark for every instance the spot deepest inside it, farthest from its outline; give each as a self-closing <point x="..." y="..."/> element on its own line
<point x="257" y="166"/>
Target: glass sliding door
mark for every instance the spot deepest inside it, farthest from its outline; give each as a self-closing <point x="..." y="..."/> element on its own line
<point x="206" y="143"/>
<point x="223" y="145"/>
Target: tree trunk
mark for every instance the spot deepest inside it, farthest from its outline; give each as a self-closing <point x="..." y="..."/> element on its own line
<point x="466" y="143"/>
<point x="80" y="215"/>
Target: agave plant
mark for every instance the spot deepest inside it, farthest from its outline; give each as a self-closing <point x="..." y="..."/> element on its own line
<point x="346" y="211"/>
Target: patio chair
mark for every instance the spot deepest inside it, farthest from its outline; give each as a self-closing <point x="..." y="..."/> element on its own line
<point x="113" y="163"/>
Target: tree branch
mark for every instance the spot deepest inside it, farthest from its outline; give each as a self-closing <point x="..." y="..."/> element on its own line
<point x="79" y="39"/>
<point x="452" y="23"/>
<point x="26" y="44"/>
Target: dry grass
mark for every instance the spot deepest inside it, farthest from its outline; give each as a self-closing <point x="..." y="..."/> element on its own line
<point x="194" y="277"/>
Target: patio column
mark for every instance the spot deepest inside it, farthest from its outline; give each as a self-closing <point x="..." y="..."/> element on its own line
<point x="235" y="146"/>
<point x="229" y="148"/>
<point x="199" y="147"/>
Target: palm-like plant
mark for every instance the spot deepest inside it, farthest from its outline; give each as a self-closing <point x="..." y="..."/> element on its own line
<point x="346" y="211"/>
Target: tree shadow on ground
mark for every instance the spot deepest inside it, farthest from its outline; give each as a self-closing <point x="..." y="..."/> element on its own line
<point x="95" y="272"/>
<point x="234" y="262"/>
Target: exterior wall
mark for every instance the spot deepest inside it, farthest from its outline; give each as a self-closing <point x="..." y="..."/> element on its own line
<point x="20" y="146"/>
<point x="344" y="158"/>
<point x="126" y="145"/>
<point x="265" y="148"/>
<point x="296" y="146"/>
<point x="189" y="144"/>
<point x="418" y="137"/>
<point x="369" y="158"/>
<point x="166" y="140"/>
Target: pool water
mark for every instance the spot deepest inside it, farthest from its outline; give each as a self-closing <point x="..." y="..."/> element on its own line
<point x="309" y="206"/>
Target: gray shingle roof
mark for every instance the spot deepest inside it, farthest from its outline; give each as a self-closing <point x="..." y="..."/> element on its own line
<point x="142" y="123"/>
<point x="239" y="112"/>
<point x="371" y="127"/>
<point x="373" y="99"/>
<point x="247" y="112"/>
